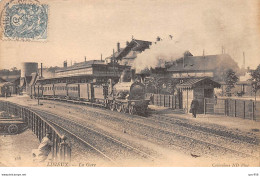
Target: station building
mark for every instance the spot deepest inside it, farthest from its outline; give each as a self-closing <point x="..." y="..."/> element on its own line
<point x="212" y="66"/>
<point x="93" y="71"/>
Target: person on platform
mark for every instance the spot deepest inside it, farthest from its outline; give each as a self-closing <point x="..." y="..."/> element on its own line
<point x="44" y="149"/>
<point x="194" y="107"/>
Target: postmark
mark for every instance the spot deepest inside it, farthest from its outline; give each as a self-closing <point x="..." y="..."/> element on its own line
<point x="24" y="20"/>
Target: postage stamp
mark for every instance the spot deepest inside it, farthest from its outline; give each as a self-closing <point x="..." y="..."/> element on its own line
<point x="24" y="20"/>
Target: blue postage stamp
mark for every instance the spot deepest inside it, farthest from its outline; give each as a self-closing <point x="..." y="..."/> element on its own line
<point x="24" y="21"/>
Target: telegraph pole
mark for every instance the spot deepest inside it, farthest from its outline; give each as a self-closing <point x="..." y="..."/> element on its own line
<point x="38" y="95"/>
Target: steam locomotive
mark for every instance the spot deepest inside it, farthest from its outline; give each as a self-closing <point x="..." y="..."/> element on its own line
<point x="126" y="97"/>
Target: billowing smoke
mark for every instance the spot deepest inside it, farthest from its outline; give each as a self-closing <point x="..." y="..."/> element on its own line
<point x="214" y="26"/>
<point x="167" y="49"/>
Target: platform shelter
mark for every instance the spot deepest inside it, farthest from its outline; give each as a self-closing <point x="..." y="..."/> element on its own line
<point x="196" y="88"/>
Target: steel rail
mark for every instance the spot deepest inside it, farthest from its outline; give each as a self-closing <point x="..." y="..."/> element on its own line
<point x="182" y="135"/>
<point x="107" y="136"/>
<point x="79" y="138"/>
<point x="232" y="150"/>
<point x="216" y="135"/>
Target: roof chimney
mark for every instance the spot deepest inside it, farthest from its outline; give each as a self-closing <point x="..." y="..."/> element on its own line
<point x="41" y="70"/>
<point x="118" y="47"/>
<point x="244" y="61"/>
<point x="184" y="55"/>
<point x="85" y="59"/>
<point x="101" y="57"/>
<point x="65" y="64"/>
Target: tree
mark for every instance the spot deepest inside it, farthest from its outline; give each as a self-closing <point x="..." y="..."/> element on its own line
<point x="255" y="74"/>
<point x="230" y="80"/>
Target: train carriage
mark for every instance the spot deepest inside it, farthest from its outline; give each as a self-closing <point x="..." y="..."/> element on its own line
<point x="60" y="90"/>
<point x="86" y="91"/>
<point x="123" y="96"/>
<point x="73" y="91"/>
<point x="48" y="90"/>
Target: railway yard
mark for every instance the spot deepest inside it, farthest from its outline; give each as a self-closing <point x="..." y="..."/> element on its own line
<point x="100" y="137"/>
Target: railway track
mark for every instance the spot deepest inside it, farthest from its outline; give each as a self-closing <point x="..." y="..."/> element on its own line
<point x="218" y="132"/>
<point x="209" y="144"/>
<point x="100" y="142"/>
<point x="200" y="142"/>
<point x="223" y="136"/>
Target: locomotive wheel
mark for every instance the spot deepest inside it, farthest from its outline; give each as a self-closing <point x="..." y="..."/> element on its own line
<point x="12" y="129"/>
<point x="124" y="109"/>
<point x="143" y="110"/>
<point x="119" y="108"/>
<point x="132" y="110"/>
<point x="112" y="106"/>
<point x="106" y="104"/>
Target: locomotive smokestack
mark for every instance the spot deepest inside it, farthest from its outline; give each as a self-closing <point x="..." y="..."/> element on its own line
<point x="132" y="75"/>
<point x="125" y="76"/>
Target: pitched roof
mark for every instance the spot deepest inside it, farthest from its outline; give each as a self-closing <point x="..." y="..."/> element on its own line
<point x="200" y="63"/>
<point x="134" y="45"/>
<point x="81" y="65"/>
<point x="13" y="78"/>
<point x="6" y="84"/>
<point x="194" y="82"/>
<point x="2" y="80"/>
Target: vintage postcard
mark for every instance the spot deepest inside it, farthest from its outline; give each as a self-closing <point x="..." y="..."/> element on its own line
<point x="128" y="83"/>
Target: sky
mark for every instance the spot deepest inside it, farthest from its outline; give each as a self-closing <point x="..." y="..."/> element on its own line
<point x="79" y="28"/>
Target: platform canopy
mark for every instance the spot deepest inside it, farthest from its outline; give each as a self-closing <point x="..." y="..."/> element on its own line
<point x="191" y="83"/>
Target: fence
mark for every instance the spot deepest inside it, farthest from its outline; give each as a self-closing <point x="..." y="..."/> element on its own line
<point x="61" y="150"/>
<point x="246" y="109"/>
<point x="170" y="101"/>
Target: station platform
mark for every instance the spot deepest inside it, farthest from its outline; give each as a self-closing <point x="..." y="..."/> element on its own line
<point x="246" y="125"/>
